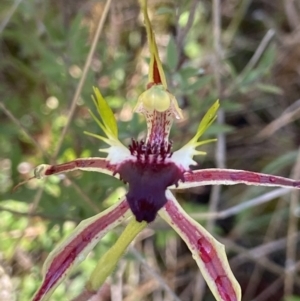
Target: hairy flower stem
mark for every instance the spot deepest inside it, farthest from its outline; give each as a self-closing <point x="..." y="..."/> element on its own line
<point x="109" y="260"/>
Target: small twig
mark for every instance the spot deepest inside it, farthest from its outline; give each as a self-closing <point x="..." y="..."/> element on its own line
<point x="252" y="62"/>
<point x="258" y="53"/>
<point x="92" y="205"/>
<point x="291" y="14"/>
<point x="262" y="199"/>
<point x="291" y="247"/>
<point x="35" y="214"/>
<point x="288" y="116"/>
<point x="198" y="287"/>
<point x="83" y="77"/>
<point x="220" y="153"/>
<point x="238" y="17"/>
<point x="84" y="296"/>
<point x="116" y="290"/>
<point x="31" y="210"/>
<point x="262" y="250"/>
<point x="19" y="124"/>
<point x="156" y="276"/>
<point x="102" y="294"/>
<point x="143" y="290"/>
<point x="270" y="235"/>
<point x="182" y="32"/>
<point x="254" y="255"/>
<point x="268" y="293"/>
<point x="9" y="15"/>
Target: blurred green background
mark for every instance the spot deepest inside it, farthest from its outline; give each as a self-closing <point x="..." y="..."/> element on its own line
<point x="43" y="48"/>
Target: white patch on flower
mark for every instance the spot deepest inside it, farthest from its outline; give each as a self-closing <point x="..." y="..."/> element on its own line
<point x="183" y="157"/>
<point x="117" y="153"/>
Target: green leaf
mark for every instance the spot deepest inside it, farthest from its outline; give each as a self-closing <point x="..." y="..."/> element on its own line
<point x="187" y="72"/>
<point x="283" y="161"/>
<point x="199" y="84"/>
<point x="172" y="54"/>
<point x="216" y="129"/>
<point x="106" y="113"/>
<point x="207" y="120"/>
<point x="231" y="106"/>
<point x="269" y="89"/>
<point x="165" y="10"/>
<point x="293" y="298"/>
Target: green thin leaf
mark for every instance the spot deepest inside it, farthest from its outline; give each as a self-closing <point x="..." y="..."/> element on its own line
<point x="172" y="54"/>
<point x="207" y="120"/>
<point x="269" y="89"/>
<point x="105" y="113"/>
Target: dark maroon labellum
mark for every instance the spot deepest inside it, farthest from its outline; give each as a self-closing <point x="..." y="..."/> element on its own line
<point x="148" y="178"/>
<point x="147" y="186"/>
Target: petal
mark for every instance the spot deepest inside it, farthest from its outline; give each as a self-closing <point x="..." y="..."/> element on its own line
<point x="77" y="246"/>
<point x="209" y="254"/>
<point x="86" y="164"/>
<point x="218" y="176"/>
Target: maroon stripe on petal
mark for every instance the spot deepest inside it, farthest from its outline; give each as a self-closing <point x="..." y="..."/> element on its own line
<point x="215" y="176"/>
<point x="63" y="260"/>
<point x="84" y="163"/>
<point x="207" y="252"/>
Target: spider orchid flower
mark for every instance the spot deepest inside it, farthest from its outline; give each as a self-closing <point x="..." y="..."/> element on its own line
<point x="152" y="172"/>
